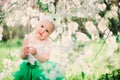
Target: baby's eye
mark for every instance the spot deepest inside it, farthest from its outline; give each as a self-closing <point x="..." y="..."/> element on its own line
<point x="46" y="30"/>
<point x="42" y="26"/>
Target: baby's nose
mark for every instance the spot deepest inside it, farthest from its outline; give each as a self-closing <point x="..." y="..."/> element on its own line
<point x="43" y="30"/>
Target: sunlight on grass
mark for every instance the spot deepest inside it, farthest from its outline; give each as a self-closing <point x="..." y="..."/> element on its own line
<point x="86" y="68"/>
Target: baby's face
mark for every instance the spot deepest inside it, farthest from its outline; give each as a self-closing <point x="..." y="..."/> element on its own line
<point x="44" y="29"/>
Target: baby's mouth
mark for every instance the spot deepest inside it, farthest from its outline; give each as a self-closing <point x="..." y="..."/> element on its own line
<point x="40" y="33"/>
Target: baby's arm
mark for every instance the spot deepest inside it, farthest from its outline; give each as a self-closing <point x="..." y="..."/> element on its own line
<point x="25" y="49"/>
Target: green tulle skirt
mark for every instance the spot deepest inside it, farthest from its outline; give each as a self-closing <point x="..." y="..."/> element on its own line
<point x="39" y="71"/>
<point x="29" y="72"/>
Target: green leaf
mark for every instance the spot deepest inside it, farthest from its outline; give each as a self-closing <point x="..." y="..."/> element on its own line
<point x="39" y="3"/>
<point x="118" y="38"/>
<point x="83" y="75"/>
<point x="73" y="36"/>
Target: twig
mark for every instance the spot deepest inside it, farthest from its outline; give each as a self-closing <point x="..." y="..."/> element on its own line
<point x="101" y="47"/>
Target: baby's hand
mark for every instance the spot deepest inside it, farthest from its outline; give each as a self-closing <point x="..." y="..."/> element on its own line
<point x="32" y="50"/>
<point x="26" y="50"/>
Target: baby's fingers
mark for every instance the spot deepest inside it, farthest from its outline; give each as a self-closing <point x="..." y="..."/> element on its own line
<point x="26" y="50"/>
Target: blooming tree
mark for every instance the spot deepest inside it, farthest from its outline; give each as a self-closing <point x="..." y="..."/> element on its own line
<point x="77" y="22"/>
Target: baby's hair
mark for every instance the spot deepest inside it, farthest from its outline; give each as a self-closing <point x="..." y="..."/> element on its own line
<point x="48" y="18"/>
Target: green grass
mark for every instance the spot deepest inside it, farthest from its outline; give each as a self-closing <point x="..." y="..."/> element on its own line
<point x="7" y="47"/>
<point x="3" y="53"/>
<point x="99" y="49"/>
<point x="101" y="64"/>
<point x="6" y="50"/>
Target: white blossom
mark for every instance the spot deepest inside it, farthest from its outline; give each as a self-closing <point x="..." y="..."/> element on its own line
<point x="1" y="30"/>
<point x="102" y="25"/>
<point x="101" y="7"/>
